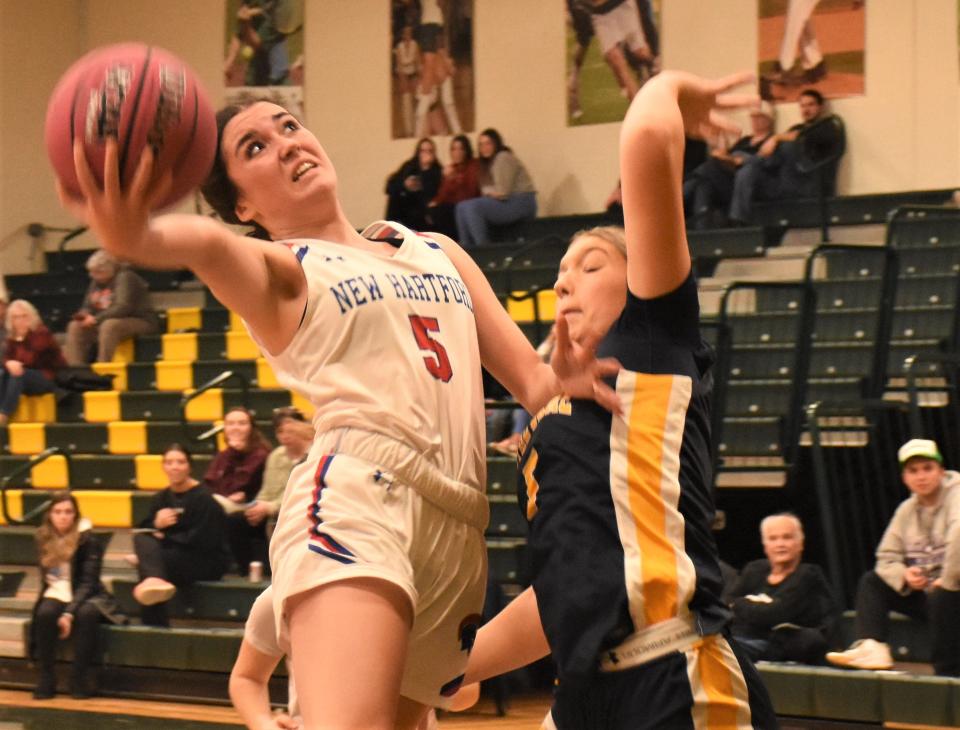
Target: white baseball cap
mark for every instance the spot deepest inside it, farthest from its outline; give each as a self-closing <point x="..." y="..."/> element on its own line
<point x="919" y="447"/>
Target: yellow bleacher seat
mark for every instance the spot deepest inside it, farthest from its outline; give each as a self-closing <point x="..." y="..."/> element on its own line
<point x="125" y="352"/>
<point x="547" y="302"/>
<point x="150" y="474"/>
<point x="127" y="437"/>
<point x="50" y="474"/>
<point x="207" y="407"/>
<point x="174" y="374"/>
<point x="520" y="310"/>
<point x="236" y="324"/>
<point x="266" y="378"/>
<point x="180" y="347"/>
<point x="303" y="404"/>
<point x="14" y="504"/>
<point x="183" y="318"/>
<point x="117" y="369"/>
<point x="36" y="409"/>
<point x="27" y="438"/>
<point x="241" y="347"/>
<point x="106" y="508"/>
<point x="101" y="406"/>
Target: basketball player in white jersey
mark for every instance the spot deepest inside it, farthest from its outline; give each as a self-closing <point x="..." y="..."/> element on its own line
<point x="378" y="558"/>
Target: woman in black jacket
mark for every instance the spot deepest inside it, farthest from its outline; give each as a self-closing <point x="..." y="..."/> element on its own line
<point x="411" y="188"/>
<point x="72" y="601"/>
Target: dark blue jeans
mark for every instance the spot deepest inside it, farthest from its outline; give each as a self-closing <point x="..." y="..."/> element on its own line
<point x="32" y="382"/>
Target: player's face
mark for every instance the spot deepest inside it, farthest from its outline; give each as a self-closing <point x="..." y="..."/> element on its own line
<point x="782" y="541"/>
<point x="236" y="429"/>
<point x="275" y="164"/>
<point x="809" y="108"/>
<point x="591" y="287"/>
<point x="176" y="466"/>
<point x="923" y="476"/>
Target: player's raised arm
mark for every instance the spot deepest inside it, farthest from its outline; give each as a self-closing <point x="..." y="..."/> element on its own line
<point x="261" y="281"/>
<point x="669" y="106"/>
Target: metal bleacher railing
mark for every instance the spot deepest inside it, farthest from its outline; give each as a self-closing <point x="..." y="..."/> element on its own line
<point x="30" y="517"/>
<point x="215" y="382"/>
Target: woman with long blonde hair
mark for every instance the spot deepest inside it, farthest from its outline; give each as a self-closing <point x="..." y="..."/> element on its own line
<point x="72" y="600"/>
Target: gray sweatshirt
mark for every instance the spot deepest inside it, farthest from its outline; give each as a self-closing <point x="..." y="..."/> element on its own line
<point x="919" y="535"/>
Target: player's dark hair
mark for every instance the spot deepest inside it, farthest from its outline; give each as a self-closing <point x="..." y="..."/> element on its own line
<point x="813" y="94"/>
<point x="467" y="147"/>
<point x="218" y="189"/>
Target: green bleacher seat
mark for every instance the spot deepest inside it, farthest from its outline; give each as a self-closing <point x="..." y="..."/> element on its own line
<point x="506" y="519"/>
<point x="226" y="600"/>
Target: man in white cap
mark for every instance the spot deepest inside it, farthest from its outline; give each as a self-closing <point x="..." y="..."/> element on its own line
<point x="918" y="566"/>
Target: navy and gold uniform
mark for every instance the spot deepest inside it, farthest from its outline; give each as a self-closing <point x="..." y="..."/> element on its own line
<point x="624" y="562"/>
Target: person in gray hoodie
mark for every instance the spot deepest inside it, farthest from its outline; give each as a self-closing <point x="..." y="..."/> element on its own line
<point x="918" y="567"/>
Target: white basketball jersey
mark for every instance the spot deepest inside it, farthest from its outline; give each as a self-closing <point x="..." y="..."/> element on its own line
<point x="388" y="344"/>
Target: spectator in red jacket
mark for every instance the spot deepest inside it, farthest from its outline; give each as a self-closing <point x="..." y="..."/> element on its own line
<point x="461" y="181"/>
<point x="31" y="358"/>
<point x="235" y="476"/>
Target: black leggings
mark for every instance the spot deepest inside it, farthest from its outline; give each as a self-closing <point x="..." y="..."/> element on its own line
<point x="83" y="633"/>
<point x="175" y="563"/>
<point x="939" y="608"/>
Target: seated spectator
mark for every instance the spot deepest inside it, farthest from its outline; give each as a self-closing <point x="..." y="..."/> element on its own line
<point x="235" y="476"/>
<point x="117" y="306"/>
<point x="917" y="567"/>
<point x="31" y="358"/>
<point x="415" y="184"/>
<point x="182" y="539"/>
<point x="460" y="182"/>
<point x="247" y="529"/>
<point x="4" y="302"/>
<point x="783" y="609"/>
<point x="708" y="188"/>
<point x="507" y="192"/>
<point x="71" y="601"/>
<point x="774" y="173"/>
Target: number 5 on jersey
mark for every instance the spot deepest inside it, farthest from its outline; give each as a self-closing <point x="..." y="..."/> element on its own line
<point x="438" y="364"/>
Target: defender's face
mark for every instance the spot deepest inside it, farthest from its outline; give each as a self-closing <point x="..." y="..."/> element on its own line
<point x="591" y="287"/>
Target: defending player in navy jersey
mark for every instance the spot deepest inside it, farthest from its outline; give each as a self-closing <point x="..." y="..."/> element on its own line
<point x="626" y="581"/>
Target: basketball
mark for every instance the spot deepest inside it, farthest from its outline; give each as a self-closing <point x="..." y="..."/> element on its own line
<point x="142" y="95"/>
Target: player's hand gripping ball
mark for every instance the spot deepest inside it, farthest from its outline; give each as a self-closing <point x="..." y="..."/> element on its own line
<point x="142" y="95"/>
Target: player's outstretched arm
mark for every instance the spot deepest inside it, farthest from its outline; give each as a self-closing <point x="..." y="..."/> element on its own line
<point x="511" y="359"/>
<point x="260" y="281"/>
<point x="512" y="639"/>
<point x="248" y="689"/>
<point x="669" y="106"/>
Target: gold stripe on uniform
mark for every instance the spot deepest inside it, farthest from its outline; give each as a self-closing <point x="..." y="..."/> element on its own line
<point x="720" y="697"/>
<point x="645" y="485"/>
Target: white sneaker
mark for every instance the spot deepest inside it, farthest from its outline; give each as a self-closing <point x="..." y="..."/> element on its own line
<point x="151" y="591"/>
<point x="863" y="654"/>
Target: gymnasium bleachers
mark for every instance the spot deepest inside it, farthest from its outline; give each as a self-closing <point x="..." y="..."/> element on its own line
<point x="793" y="321"/>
